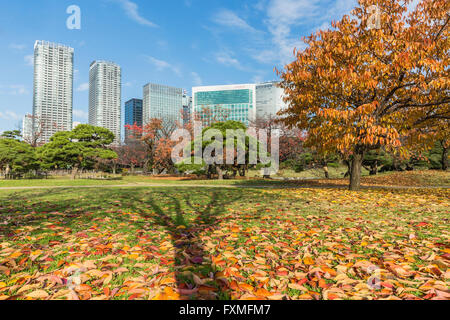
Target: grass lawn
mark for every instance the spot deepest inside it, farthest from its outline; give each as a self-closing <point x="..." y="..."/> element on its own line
<point x="427" y="178"/>
<point x="200" y="243"/>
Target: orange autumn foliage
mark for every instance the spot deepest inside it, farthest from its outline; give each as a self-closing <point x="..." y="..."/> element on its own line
<point x="356" y="89"/>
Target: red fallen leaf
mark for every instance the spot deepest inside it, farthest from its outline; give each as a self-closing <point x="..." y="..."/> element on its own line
<point x="5" y="270"/>
<point x="197" y="260"/>
<point x="246" y="287"/>
<point x="323" y="284"/>
<point x="83" y="287"/>
<point x="429" y="296"/>
<point x="303" y="281"/>
<point x="386" y="285"/>
<point x="422" y="224"/>
<point x="234" y="285"/>
<point x="114" y="292"/>
<point x="134" y="296"/>
<point x="107" y="292"/>
<point x="206" y="289"/>
<point x="187" y="292"/>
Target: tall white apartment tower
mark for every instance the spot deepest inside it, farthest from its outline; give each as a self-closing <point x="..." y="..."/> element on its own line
<point x="52" y="89"/>
<point x="105" y="83"/>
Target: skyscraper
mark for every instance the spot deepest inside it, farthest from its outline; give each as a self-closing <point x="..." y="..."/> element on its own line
<point x="133" y="115"/>
<point x="162" y="102"/>
<point x="105" y="96"/>
<point x="235" y="102"/>
<point x="27" y="128"/>
<point x="187" y="108"/>
<point x="52" y="89"/>
<point x="269" y="99"/>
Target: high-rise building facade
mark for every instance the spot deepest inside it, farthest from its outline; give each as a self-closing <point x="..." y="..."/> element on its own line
<point x="232" y="102"/>
<point x="162" y="102"/>
<point x="133" y="116"/>
<point x="187" y="108"/>
<point x="269" y="99"/>
<point x="52" y="89"/>
<point x="27" y="128"/>
<point x="105" y="89"/>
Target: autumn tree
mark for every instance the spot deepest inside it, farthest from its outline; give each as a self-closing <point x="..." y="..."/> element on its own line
<point x="357" y="88"/>
<point x="155" y="134"/>
<point x="208" y="115"/>
<point x="132" y="154"/>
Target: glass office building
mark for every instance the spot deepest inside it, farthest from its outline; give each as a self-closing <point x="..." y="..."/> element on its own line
<point x="162" y="102"/>
<point x="133" y="115"/>
<point x="235" y="102"/>
<point x="187" y="108"/>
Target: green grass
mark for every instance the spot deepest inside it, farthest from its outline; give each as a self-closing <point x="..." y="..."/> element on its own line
<point x="429" y="178"/>
<point x="228" y="231"/>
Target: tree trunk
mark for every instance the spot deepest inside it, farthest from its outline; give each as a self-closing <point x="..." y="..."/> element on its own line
<point x="219" y="172"/>
<point x="208" y="172"/>
<point x="444" y="160"/>
<point x="7" y="170"/>
<point x="74" y="172"/>
<point x="325" y="170"/>
<point x="347" y="174"/>
<point x="355" y="171"/>
<point x="374" y="169"/>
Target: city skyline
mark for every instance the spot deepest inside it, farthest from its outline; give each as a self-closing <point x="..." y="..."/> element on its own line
<point x="213" y="48"/>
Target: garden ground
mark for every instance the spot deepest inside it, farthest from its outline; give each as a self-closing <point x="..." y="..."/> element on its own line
<point x="227" y="243"/>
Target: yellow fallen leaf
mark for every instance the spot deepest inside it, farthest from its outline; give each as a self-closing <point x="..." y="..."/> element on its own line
<point x="38" y="294"/>
<point x="15" y="255"/>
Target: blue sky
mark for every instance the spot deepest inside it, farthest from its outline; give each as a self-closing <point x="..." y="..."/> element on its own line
<point x="181" y="43"/>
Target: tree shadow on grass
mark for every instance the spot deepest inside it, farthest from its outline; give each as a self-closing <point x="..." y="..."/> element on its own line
<point x="191" y="255"/>
<point x="187" y="214"/>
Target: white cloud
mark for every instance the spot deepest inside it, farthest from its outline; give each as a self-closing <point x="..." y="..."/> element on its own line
<point x="9" y="115"/>
<point x="83" y="87"/>
<point x="29" y="60"/>
<point x="14" y="90"/>
<point x="127" y="84"/>
<point x="258" y="79"/>
<point x="132" y="11"/>
<point x="162" y="65"/>
<point x="284" y="15"/>
<point x="197" y="81"/>
<point x="80" y="114"/>
<point x="17" y="46"/>
<point x="229" y="19"/>
<point x="226" y="59"/>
